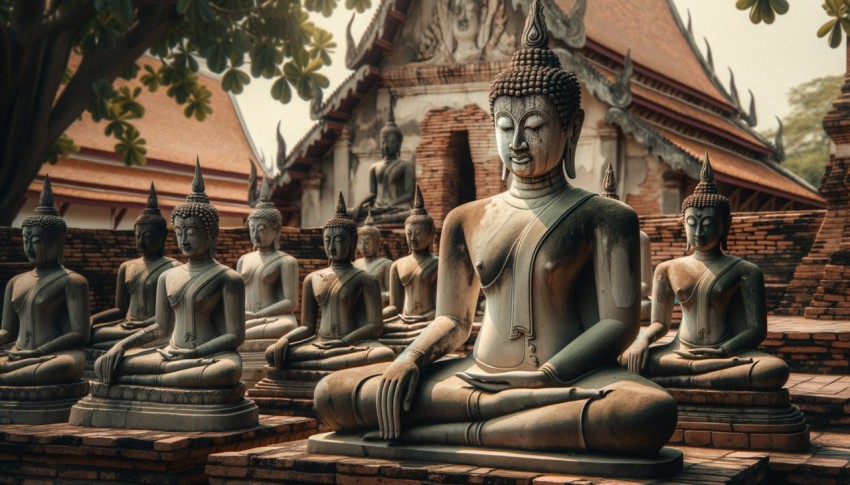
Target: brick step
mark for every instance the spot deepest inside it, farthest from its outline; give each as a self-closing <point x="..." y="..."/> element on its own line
<point x="825" y="462"/>
<point x="825" y="399"/>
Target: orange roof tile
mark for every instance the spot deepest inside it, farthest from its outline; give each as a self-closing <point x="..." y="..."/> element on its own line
<point x="649" y="29"/>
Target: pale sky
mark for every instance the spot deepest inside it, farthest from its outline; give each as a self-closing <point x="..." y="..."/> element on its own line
<point x="768" y="59"/>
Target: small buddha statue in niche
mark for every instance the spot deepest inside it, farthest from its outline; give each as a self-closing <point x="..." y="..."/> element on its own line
<point x="369" y="243"/>
<point x="724" y="317"/>
<point x="135" y="289"/>
<point x="609" y="190"/>
<point x="45" y="311"/>
<point x="199" y="305"/>
<point x="560" y="270"/>
<point x="349" y="302"/>
<point x="271" y="275"/>
<point x="413" y="281"/>
<point x="392" y="181"/>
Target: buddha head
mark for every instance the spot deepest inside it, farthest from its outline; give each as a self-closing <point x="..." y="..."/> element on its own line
<point x="265" y="222"/>
<point x="536" y="107"/>
<point x="339" y="235"/>
<point x="467" y="19"/>
<point x="196" y="221"/>
<point x="44" y="232"/>
<point x="150" y="228"/>
<point x="706" y="214"/>
<point x="391" y="137"/>
<point x="419" y="226"/>
<point x="368" y="237"/>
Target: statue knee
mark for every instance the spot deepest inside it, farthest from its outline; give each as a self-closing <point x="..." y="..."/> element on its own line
<point x="380" y="354"/>
<point x="768" y="374"/>
<point x="632" y="419"/>
<point x="222" y="374"/>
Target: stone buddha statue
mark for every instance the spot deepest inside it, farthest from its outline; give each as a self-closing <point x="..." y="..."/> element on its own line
<point x="391" y="181"/>
<point x="271" y="275"/>
<point x="609" y="189"/>
<point x="369" y="243"/>
<point x="46" y="315"/>
<point x="45" y="311"/>
<point x="413" y="282"/>
<point x="560" y="270"/>
<point x="200" y="306"/>
<point x="340" y="310"/>
<point x="135" y="289"/>
<point x="724" y="317"/>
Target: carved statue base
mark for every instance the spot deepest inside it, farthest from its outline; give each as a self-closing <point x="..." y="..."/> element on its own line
<point x="746" y="420"/>
<point x="166" y="409"/>
<point x="287" y="392"/>
<point x="666" y="463"/>
<point x="40" y="404"/>
<point x="253" y="354"/>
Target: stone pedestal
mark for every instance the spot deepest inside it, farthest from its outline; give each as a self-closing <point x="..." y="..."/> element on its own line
<point x="287" y="392"/>
<point x="62" y="453"/>
<point x="39" y="404"/>
<point x="740" y="420"/>
<point x="253" y="353"/>
<point x="167" y="409"/>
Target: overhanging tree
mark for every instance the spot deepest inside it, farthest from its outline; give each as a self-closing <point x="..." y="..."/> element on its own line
<point x="42" y="94"/>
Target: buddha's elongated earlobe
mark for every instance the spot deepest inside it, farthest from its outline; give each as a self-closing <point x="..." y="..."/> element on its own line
<point x="504" y="172"/>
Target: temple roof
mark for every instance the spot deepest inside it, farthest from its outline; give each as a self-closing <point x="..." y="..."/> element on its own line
<point x="98" y="176"/>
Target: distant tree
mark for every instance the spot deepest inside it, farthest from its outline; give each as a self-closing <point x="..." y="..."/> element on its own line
<point x="42" y="94"/>
<point x="806" y="144"/>
<point x="835" y="29"/>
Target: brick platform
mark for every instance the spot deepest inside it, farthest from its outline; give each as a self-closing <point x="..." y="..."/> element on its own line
<point x="290" y="463"/>
<point x="64" y="453"/>
<point x="825" y="399"/>
<point x="287" y="392"/>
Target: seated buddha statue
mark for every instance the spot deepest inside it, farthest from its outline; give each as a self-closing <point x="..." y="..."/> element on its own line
<point x="271" y="275"/>
<point x="392" y="181"/>
<point x="45" y="311"/>
<point x="559" y="268"/>
<point x="724" y="317"/>
<point x="369" y="243"/>
<point x="340" y="310"/>
<point x="135" y="289"/>
<point x="200" y="308"/>
<point x="413" y="281"/>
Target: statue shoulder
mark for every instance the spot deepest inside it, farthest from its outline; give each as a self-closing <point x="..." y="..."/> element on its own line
<point x="612" y="215"/>
<point x="748" y="268"/>
<point x="287" y="258"/>
<point x="76" y="281"/>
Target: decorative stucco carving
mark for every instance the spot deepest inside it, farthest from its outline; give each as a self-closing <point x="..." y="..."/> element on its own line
<point x="475" y="31"/>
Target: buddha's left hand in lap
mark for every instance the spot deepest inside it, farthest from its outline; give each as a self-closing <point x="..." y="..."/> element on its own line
<point x="507" y="380"/>
<point x="332" y="344"/>
<point x="178" y="354"/>
<point x="699" y="353"/>
<point x="24" y="354"/>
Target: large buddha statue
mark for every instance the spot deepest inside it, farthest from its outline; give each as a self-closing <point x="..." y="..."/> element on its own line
<point x="724" y="317"/>
<point x="369" y="243"/>
<point x="200" y="309"/>
<point x="340" y="310"/>
<point x="413" y="282"/>
<point x="135" y="289"/>
<point x="391" y="181"/>
<point x="46" y="315"/>
<point x="560" y="270"/>
<point x="271" y="275"/>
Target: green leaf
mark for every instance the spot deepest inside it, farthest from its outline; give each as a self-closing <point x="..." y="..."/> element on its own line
<point x="234" y="80"/>
<point x="825" y="28"/>
<point x="744" y="4"/>
<point x="281" y="90"/>
<point x="362" y="5"/>
<point x="836" y="36"/>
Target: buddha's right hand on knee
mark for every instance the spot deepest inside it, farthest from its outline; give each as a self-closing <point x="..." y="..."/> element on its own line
<point x="107" y="364"/>
<point x="635" y="357"/>
<point x="395" y="391"/>
<point x="277" y="352"/>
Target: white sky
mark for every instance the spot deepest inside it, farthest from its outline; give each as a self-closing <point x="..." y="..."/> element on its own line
<point x="768" y="59"/>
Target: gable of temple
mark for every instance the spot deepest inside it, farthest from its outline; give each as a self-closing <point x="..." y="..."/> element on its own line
<point x="653" y="107"/>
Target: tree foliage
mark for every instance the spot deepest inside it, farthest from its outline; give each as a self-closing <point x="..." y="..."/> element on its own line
<point x="835" y="29"/>
<point x="806" y="143"/>
<point x="42" y="92"/>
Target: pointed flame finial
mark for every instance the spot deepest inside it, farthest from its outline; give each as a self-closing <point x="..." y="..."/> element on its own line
<point x="153" y="200"/>
<point x="341" y="209"/>
<point x="198" y="187"/>
<point x="370" y="221"/>
<point x="46" y="197"/>
<point x="535" y="35"/>
<point x="265" y="196"/>
<point x="609" y="183"/>
<point x="418" y="200"/>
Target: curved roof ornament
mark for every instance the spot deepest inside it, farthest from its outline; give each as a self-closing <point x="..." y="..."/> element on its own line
<point x="280" y="157"/>
<point x="621" y="90"/>
<point x="751" y="118"/>
<point x="575" y="34"/>
<point x="733" y="90"/>
<point x="253" y="193"/>
<point x="350" y="46"/>
<point x="690" y="27"/>
<point x="779" y="143"/>
<point x="709" y="59"/>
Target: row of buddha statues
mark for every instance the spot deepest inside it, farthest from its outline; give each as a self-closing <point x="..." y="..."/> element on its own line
<point x="559" y="363"/>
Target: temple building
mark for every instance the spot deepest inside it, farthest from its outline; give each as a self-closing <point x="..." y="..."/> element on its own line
<point x="94" y="189"/>
<point x="653" y="107"/>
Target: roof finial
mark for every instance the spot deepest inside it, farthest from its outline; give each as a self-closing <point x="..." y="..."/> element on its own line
<point x="535" y="35"/>
<point x="609" y="183"/>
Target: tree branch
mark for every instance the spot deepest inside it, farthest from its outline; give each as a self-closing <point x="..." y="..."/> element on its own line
<point x="24" y="12"/>
<point x="71" y="17"/>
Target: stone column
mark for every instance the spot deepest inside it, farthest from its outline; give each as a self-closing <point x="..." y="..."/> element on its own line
<point x="311" y="186"/>
<point x="342" y="148"/>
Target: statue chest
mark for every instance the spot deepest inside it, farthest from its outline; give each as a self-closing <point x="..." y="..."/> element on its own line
<point x="337" y="296"/>
<point x="141" y="279"/>
<point x="187" y="293"/>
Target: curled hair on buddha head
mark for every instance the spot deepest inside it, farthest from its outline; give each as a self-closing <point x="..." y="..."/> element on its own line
<point x="198" y="204"/>
<point x="368" y="226"/>
<point x="418" y="215"/>
<point x="706" y="194"/>
<point x="152" y="215"/>
<point x="342" y="220"/>
<point x="267" y="211"/>
<point x="46" y="215"/>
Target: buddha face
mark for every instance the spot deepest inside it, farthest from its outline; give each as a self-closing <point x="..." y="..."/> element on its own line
<point x="263" y="234"/>
<point x="467" y="19"/>
<point x="39" y="248"/>
<point x="368" y="245"/>
<point x="390" y="144"/>
<point x="419" y="236"/>
<point x="149" y="240"/>
<point x="338" y="244"/>
<point x="529" y="135"/>
<point x="703" y="228"/>
<point x="192" y="237"/>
